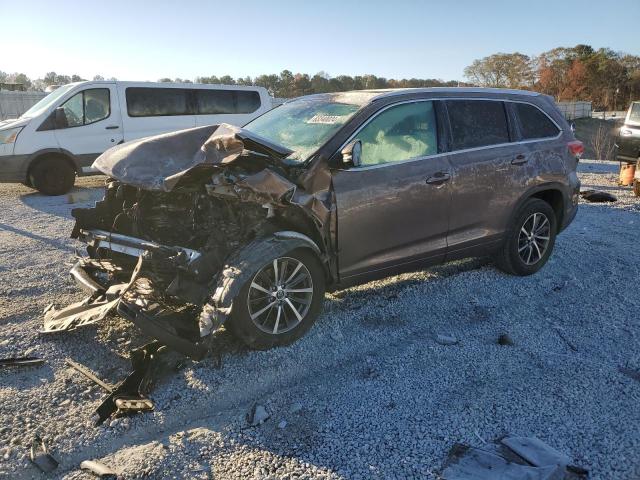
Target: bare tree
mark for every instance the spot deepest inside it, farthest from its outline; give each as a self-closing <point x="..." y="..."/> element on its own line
<point x="602" y="143"/>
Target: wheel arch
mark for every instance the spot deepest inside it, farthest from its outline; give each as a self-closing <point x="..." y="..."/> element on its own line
<point x="551" y="193"/>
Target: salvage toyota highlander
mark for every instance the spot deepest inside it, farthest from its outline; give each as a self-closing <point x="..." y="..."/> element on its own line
<point x="248" y="227"/>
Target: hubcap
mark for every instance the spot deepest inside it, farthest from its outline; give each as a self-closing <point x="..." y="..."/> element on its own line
<point x="280" y="295"/>
<point x="533" y="239"/>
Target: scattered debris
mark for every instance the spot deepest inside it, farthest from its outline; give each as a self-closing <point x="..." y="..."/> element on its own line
<point x="258" y="415"/>
<point x="129" y="396"/>
<point x="87" y="373"/>
<point x="41" y="457"/>
<point x="100" y="469"/>
<point x="598" y="196"/>
<point x="511" y="458"/>
<point x="446" y="339"/>
<point x="560" y="332"/>
<point x="505" y="339"/>
<point x="21" y="362"/>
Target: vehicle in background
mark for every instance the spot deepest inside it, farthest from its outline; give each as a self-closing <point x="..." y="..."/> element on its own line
<point x="61" y="135"/>
<point x="248" y="227"/>
<point x="628" y="138"/>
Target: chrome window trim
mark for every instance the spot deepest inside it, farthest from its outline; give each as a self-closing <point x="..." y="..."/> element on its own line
<point x="436" y="155"/>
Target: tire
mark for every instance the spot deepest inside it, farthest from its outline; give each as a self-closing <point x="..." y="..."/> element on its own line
<point x="52" y="176"/>
<point x="250" y="301"/>
<point x="521" y="253"/>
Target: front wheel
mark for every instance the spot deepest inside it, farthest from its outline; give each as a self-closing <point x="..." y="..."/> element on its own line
<point x="52" y="176"/>
<point x="281" y="301"/>
<point x="529" y="240"/>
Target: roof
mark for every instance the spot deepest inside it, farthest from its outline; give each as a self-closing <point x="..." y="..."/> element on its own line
<point x="391" y="92"/>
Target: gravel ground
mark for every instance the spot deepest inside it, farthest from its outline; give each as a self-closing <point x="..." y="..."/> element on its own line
<point x="368" y="393"/>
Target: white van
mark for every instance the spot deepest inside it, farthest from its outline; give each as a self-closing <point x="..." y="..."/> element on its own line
<point x="64" y="132"/>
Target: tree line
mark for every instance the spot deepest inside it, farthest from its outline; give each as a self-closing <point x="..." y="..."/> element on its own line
<point x="609" y="79"/>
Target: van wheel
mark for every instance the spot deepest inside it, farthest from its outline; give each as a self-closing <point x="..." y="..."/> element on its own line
<point x="281" y="302"/>
<point x="529" y="240"/>
<point x="52" y="176"/>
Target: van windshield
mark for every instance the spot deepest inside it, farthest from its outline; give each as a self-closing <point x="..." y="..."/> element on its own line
<point x="304" y="125"/>
<point x="47" y="101"/>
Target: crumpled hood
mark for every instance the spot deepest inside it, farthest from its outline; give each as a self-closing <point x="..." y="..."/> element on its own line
<point x="158" y="162"/>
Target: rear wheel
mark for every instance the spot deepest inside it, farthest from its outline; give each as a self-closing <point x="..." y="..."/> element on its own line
<point x="281" y="301"/>
<point x="52" y="176"/>
<point x="530" y="239"/>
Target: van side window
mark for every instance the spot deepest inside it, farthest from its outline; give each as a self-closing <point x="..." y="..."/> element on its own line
<point x="400" y="133"/>
<point x="477" y="123"/>
<point x="534" y="123"/>
<point x="157" y="102"/>
<point x="212" y="102"/>
<point x="88" y="106"/>
<point x="634" y="112"/>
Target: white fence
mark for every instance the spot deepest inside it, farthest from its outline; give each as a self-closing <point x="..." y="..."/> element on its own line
<point x="14" y="104"/>
<point x="573" y="110"/>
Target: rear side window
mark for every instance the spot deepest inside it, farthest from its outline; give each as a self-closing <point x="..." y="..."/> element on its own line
<point x="157" y="102"/>
<point x="212" y="102"/>
<point x="534" y="123"/>
<point x="477" y="123"/>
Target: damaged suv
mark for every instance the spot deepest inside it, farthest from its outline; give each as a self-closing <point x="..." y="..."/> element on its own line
<point x="249" y="227"/>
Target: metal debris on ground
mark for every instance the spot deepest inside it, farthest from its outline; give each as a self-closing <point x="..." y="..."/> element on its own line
<point x="41" y="457"/>
<point x="98" y="468"/>
<point x="21" y="362"/>
<point x="258" y="415"/>
<point x="511" y="458"/>
<point x="598" y="196"/>
<point x="446" y="339"/>
<point x="89" y="374"/>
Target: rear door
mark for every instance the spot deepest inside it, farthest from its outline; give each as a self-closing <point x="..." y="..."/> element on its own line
<point x="394" y="208"/>
<point x="94" y="123"/>
<point x="488" y="171"/>
<point x="154" y="110"/>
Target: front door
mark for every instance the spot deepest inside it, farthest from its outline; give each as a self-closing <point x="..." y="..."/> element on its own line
<point x="393" y="209"/>
<point x="93" y="123"/>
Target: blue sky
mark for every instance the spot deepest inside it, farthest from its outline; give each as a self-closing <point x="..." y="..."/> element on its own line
<point x="395" y="38"/>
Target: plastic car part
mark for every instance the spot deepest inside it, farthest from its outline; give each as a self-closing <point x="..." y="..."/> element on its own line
<point x="41" y="457"/>
<point x="98" y="468"/>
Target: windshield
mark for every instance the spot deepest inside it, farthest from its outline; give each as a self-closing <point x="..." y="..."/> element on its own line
<point x="304" y="125"/>
<point x="46" y="102"/>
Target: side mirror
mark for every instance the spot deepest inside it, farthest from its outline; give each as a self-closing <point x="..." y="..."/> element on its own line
<point x="60" y="118"/>
<point x="352" y="153"/>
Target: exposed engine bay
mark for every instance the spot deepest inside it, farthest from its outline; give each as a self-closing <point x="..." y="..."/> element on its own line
<point x="181" y="225"/>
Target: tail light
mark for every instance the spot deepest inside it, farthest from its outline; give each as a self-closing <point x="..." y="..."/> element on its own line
<point x="576" y="148"/>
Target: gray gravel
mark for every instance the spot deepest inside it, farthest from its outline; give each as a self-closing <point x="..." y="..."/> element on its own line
<point x="369" y="392"/>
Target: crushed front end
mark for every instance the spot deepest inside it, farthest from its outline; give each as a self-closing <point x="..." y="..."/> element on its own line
<point x="159" y="241"/>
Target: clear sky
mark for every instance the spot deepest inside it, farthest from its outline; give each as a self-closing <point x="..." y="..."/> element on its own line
<point x="136" y="40"/>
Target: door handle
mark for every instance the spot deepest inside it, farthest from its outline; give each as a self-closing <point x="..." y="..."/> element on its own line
<point x="519" y="160"/>
<point x="111" y="127"/>
<point x="438" y="178"/>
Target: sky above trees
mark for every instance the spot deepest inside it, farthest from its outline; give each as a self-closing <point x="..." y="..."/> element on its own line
<point x="403" y="39"/>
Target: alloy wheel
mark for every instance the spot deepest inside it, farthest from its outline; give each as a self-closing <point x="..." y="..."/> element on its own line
<point x="280" y="295"/>
<point x="533" y="239"/>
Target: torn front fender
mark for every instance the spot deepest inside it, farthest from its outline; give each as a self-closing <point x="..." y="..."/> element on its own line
<point x="240" y="268"/>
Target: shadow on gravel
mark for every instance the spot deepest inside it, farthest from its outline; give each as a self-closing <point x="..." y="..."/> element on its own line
<point x="61" y="205"/>
<point x="34" y="236"/>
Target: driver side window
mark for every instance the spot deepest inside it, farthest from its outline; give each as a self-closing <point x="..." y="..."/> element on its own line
<point x="88" y="106"/>
<point x="400" y="133"/>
